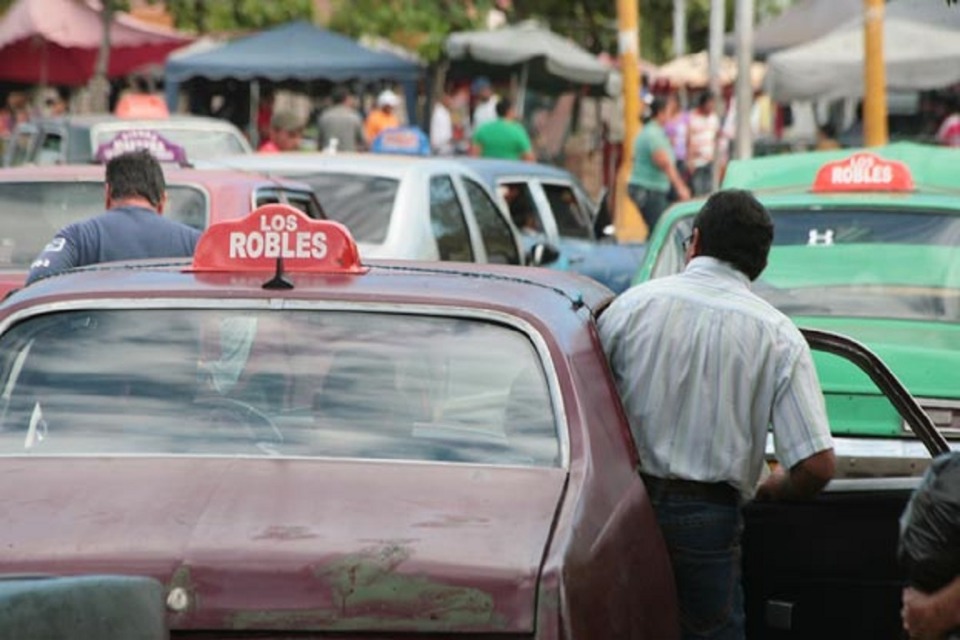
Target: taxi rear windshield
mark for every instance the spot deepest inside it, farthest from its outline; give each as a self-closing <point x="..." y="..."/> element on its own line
<point x="281" y="383"/>
<point x="854" y="262"/>
<point x="199" y="144"/>
<point x="32" y="212"/>
<point x="363" y="203"/>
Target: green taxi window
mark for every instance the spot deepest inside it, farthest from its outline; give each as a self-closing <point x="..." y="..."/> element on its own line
<point x="32" y="212"/>
<point x="853" y="262"/>
<point x="302" y="383"/>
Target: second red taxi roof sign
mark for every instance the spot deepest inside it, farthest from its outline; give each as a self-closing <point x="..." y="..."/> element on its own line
<point x="277" y="232"/>
<point x="863" y="172"/>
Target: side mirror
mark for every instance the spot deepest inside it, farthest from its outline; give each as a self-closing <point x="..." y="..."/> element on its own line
<point x="541" y="254"/>
<point x="602" y="220"/>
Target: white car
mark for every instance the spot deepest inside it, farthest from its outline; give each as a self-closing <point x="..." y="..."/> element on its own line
<point x="75" y="139"/>
<point x="402" y="207"/>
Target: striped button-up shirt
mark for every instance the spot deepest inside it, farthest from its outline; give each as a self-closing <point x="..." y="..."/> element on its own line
<point x="705" y="367"/>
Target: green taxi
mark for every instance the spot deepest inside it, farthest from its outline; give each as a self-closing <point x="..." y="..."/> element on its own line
<point x="867" y="244"/>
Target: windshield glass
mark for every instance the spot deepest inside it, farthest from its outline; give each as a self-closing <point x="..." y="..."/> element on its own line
<point x="32" y="212"/>
<point x="854" y="263"/>
<point x="363" y="203"/>
<point x="199" y="144"/>
<point x="286" y="383"/>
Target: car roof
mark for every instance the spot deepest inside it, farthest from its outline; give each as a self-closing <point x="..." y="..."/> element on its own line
<point x="380" y="164"/>
<point x="91" y="119"/>
<point x="933" y="168"/>
<point x="172" y="174"/>
<point x="528" y="291"/>
<point x="492" y="169"/>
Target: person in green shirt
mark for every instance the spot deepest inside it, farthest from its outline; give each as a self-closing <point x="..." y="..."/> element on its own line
<point x="504" y="137"/>
<point x="654" y="168"/>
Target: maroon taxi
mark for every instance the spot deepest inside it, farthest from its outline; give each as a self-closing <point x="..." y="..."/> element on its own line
<point x="35" y="202"/>
<point x="294" y="442"/>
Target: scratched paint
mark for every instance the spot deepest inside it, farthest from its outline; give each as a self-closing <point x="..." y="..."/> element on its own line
<point x="369" y="593"/>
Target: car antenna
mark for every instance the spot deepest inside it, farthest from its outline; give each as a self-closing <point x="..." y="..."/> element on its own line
<point x="279" y="280"/>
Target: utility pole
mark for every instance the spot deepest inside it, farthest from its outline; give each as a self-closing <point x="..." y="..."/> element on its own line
<point x="680" y="39"/>
<point x="627" y="220"/>
<point x="99" y="86"/>
<point x="744" y="135"/>
<point x="715" y="52"/>
<point x="874" y="76"/>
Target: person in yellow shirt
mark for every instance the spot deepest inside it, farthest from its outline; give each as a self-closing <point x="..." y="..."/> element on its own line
<point x="383" y="117"/>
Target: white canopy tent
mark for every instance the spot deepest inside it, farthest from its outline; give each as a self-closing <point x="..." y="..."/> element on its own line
<point x="538" y="57"/>
<point x="921" y="49"/>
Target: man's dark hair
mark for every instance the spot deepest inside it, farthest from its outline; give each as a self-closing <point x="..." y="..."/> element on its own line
<point x="736" y="228"/>
<point x="136" y="174"/>
<point x="340" y="95"/>
<point x="503" y="107"/>
<point x="828" y="130"/>
<point x="704" y="98"/>
<point x="656" y="106"/>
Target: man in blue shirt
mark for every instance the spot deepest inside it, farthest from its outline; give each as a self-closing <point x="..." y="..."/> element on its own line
<point x="131" y="228"/>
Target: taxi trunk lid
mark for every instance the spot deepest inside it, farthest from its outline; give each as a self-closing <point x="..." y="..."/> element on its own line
<point x="294" y="544"/>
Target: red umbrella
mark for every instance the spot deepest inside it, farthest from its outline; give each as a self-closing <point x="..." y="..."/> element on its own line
<point x="57" y="41"/>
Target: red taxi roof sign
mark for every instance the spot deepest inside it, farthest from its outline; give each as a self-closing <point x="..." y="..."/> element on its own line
<point x="863" y="172"/>
<point x="276" y="232"/>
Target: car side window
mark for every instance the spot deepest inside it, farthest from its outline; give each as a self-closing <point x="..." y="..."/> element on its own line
<point x="447" y="220"/>
<point x="50" y="149"/>
<point x="297" y="199"/>
<point x="522" y="207"/>
<point x="22" y="147"/>
<point x="572" y="220"/>
<point x="497" y="235"/>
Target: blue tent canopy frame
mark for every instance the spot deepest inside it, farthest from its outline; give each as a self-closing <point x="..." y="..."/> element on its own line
<point x="296" y="51"/>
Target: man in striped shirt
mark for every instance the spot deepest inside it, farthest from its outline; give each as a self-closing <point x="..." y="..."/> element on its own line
<point x="705" y="367"/>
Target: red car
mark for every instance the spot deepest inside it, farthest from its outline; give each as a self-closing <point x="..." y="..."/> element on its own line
<point x="35" y="202"/>
<point x="293" y="442"/>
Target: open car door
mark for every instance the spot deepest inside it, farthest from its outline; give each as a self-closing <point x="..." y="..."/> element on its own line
<point x="827" y="567"/>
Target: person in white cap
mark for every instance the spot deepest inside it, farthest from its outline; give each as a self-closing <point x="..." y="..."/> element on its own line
<point x="384" y="116"/>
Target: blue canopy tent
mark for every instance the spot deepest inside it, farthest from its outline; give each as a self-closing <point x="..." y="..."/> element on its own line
<point x="297" y="53"/>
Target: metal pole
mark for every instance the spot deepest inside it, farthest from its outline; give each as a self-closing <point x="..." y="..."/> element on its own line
<point x="680" y="39"/>
<point x="744" y="135"/>
<point x="252" y="131"/>
<point x="99" y="85"/>
<point x="874" y="76"/>
<point x="627" y="220"/>
<point x="717" y="18"/>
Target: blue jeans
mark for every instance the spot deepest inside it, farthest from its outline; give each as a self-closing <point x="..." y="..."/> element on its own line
<point x="651" y="204"/>
<point x="703" y="539"/>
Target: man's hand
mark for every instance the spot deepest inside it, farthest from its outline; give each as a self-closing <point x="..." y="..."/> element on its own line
<point x="683" y="192"/>
<point x="804" y="480"/>
<point x="931" y="615"/>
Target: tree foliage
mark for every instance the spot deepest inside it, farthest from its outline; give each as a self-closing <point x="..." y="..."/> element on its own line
<point x="418" y="25"/>
<point x="202" y="16"/>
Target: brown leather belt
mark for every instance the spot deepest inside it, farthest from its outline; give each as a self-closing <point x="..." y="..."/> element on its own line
<point x="719" y="492"/>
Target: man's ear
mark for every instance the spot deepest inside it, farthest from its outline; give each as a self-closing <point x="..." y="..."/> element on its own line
<point x="107" y="198"/>
<point x="163" y="203"/>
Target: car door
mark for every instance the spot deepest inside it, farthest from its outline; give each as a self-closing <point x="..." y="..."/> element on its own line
<point x="500" y="239"/>
<point x="455" y="239"/>
<point x="827" y="567"/>
<point x="573" y="221"/>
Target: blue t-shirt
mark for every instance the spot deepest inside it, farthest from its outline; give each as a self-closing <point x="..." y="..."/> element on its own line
<point x="122" y="233"/>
